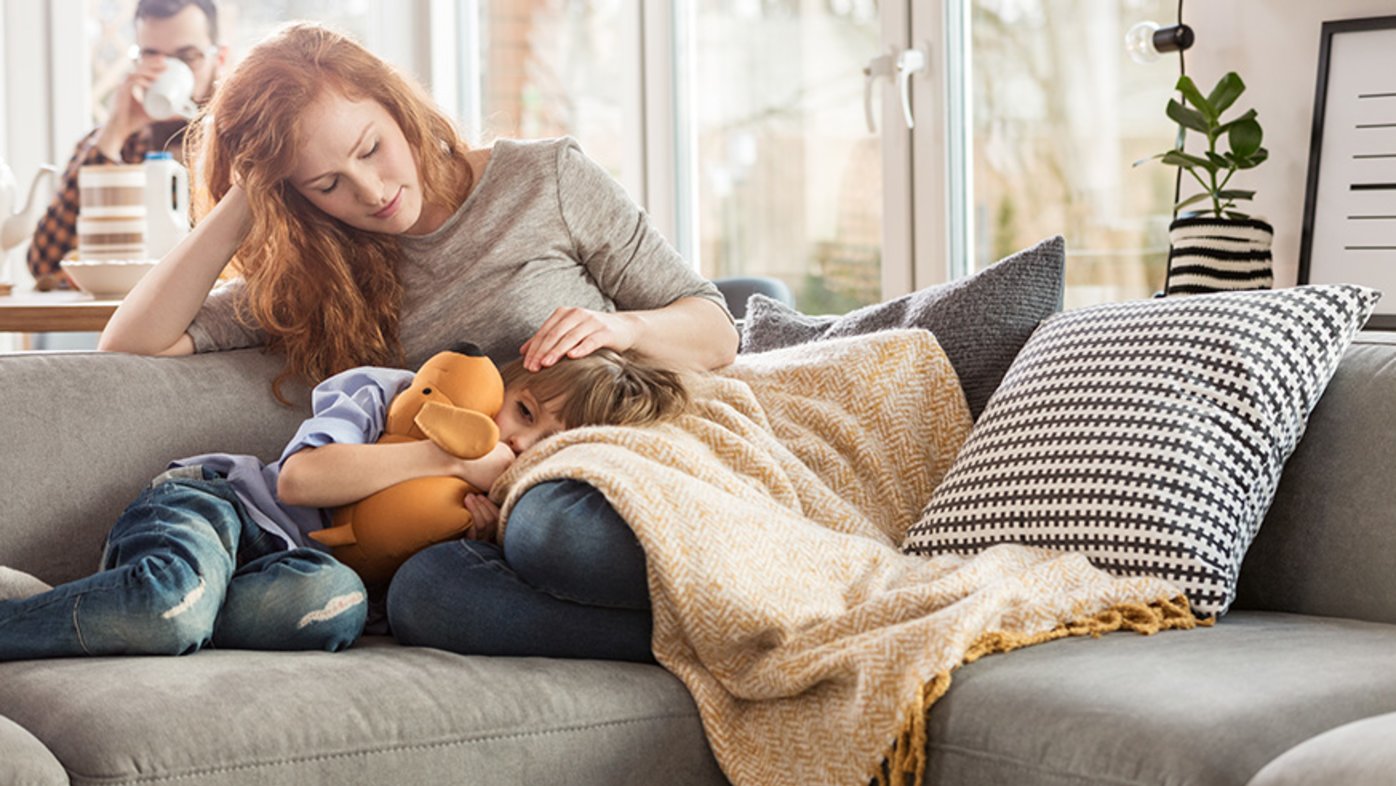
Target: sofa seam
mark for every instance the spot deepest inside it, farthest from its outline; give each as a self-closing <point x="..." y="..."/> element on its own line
<point x="1033" y="768"/>
<point x="273" y="763"/>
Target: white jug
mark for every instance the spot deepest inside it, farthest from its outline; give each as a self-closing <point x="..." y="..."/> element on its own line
<point x="166" y="203"/>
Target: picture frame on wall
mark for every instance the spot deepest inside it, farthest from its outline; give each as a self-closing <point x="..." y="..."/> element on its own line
<point x="1349" y="233"/>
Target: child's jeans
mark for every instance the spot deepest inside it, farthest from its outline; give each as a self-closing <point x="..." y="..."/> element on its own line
<point x="568" y="583"/>
<point x="186" y="566"/>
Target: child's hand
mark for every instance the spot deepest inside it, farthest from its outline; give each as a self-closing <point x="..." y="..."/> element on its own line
<point x="484" y="515"/>
<point x="481" y="472"/>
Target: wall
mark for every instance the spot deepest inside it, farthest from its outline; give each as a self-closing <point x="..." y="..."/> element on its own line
<point x="1273" y="45"/>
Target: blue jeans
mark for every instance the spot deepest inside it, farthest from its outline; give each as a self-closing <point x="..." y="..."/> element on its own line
<point x="569" y="582"/>
<point x="186" y="566"/>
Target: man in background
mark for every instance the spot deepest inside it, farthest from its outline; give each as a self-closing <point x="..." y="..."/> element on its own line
<point x="186" y="30"/>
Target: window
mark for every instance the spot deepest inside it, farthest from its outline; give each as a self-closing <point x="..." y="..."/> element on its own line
<point x="788" y="177"/>
<point x="556" y="68"/>
<point x="1058" y="114"/>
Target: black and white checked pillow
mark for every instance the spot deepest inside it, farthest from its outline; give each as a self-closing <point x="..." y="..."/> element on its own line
<point x="1149" y="435"/>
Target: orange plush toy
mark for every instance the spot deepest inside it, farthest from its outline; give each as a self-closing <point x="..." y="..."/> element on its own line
<point x="452" y="401"/>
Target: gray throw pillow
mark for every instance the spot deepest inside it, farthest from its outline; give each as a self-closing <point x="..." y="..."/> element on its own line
<point x="981" y="321"/>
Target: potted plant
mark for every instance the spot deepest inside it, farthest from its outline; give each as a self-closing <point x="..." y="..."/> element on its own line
<point x="1217" y="247"/>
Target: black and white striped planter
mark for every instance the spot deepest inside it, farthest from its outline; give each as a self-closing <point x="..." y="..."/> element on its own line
<point x="1219" y="255"/>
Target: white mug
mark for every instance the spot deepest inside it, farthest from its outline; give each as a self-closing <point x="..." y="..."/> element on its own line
<point x="172" y="92"/>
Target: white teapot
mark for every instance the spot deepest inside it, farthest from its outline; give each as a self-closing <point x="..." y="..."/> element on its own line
<point x="17" y="225"/>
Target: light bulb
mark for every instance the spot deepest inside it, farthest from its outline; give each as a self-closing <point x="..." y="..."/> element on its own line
<point x="1146" y="41"/>
<point x="1139" y="42"/>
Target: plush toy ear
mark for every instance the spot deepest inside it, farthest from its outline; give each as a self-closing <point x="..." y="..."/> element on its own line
<point x="464" y="433"/>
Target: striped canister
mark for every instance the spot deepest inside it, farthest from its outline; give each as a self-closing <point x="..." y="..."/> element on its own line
<point x="112" y="237"/>
<point x="111" y="212"/>
<point x="1219" y="255"/>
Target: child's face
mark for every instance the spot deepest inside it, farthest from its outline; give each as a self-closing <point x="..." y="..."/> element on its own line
<point x="524" y="421"/>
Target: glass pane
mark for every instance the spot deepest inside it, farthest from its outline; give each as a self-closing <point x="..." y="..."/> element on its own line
<point x="555" y="68"/>
<point x="788" y="178"/>
<point x="1060" y="113"/>
<point x="241" y="23"/>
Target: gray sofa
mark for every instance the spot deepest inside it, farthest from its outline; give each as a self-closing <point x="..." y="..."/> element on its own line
<point x="1296" y="685"/>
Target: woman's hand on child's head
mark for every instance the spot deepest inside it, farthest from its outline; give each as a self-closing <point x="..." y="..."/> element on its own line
<point x="576" y="332"/>
<point x="484" y="516"/>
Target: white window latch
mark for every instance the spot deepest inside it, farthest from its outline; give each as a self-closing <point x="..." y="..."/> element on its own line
<point x="893" y="65"/>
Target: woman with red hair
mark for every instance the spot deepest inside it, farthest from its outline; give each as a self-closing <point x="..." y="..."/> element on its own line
<point x="363" y="231"/>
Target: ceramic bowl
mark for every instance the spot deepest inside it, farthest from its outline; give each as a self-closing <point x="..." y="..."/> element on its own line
<point x="108" y="279"/>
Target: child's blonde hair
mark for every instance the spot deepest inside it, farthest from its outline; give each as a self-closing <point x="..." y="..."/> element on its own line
<point x="604" y="388"/>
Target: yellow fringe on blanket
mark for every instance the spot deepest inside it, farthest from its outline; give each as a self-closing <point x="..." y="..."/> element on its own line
<point x="904" y="763"/>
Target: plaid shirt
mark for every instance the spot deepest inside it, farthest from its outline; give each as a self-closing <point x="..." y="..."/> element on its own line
<point x="56" y="235"/>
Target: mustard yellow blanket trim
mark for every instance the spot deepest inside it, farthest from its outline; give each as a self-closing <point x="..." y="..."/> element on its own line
<point x="905" y="759"/>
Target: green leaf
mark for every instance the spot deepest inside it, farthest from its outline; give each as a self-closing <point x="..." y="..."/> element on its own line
<point x="1192" y="200"/>
<point x="1245" y="138"/>
<point x="1225" y="127"/>
<point x="1221" y="161"/>
<point x="1253" y="160"/>
<point x="1188" y="118"/>
<point x="1194" y="96"/>
<point x="1154" y="157"/>
<point x="1236" y="215"/>
<point x="1179" y="158"/>
<point x="1235" y="194"/>
<point x="1228" y="89"/>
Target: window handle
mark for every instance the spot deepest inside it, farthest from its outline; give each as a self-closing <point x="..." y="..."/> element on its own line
<point x="877" y="68"/>
<point x="909" y="61"/>
<point x="893" y="65"/>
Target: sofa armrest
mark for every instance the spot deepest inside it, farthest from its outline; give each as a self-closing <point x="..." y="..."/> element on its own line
<point x="84" y="432"/>
<point x="25" y="759"/>
<point x="1328" y="544"/>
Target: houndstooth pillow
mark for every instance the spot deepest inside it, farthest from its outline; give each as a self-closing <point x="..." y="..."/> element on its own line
<point x="1149" y="436"/>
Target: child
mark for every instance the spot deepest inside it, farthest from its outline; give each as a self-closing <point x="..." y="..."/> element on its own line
<point x="215" y="551"/>
<point x="605" y="388"/>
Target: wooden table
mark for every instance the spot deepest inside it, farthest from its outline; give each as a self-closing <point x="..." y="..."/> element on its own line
<point x="53" y="312"/>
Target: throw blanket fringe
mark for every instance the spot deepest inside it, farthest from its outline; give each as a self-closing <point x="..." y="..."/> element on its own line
<point x="772" y="518"/>
<point x="904" y="761"/>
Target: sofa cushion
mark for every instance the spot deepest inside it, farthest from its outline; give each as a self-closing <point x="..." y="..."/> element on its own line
<point x="1328" y="545"/>
<point x="84" y="432"/>
<point x="1149" y="436"/>
<point x="25" y="760"/>
<point x="378" y="713"/>
<point x="1207" y="706"/>
<point x="1356" y="754"/>
<point x="981" y="321"/>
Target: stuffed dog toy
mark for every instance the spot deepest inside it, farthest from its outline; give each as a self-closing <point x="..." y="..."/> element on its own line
<point x="452" y="401"/>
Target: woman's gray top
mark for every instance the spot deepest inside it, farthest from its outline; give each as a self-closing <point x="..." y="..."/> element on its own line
<point x="544" y="227"/>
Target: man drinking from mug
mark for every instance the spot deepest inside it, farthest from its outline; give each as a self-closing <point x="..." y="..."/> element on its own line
<point x="184" y="30"/>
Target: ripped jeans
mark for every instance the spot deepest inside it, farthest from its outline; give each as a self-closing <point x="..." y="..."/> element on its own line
<point x="184" y="567"/>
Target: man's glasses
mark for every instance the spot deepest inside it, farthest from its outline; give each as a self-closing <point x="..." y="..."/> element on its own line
<point x="191" y="56"/>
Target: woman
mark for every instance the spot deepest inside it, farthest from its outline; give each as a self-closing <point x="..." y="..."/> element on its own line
<point x="366" y="232"/>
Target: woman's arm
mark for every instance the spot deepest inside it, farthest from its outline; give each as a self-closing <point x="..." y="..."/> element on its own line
<point x="154" y="318"/>
<point x="338" y="474"/>
<point x="691" y="332"/>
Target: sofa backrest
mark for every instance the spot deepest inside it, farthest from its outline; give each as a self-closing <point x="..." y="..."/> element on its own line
<point x="1328" y="544"/>
<point x="84" y="432"/>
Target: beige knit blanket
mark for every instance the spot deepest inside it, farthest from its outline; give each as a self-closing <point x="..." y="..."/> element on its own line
<point x="771" y="519"/>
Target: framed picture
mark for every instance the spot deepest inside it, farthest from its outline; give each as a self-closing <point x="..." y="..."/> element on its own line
<point x="1349" y="231"/>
